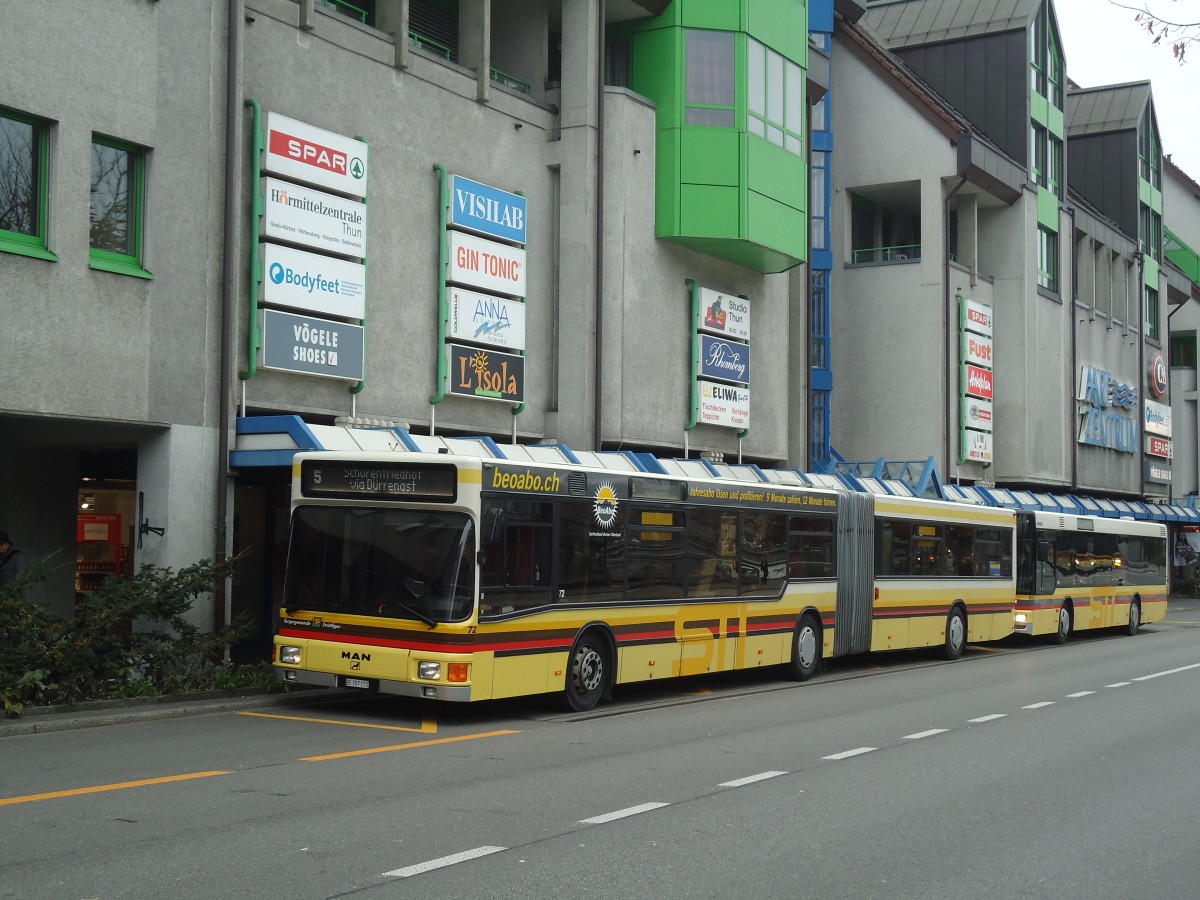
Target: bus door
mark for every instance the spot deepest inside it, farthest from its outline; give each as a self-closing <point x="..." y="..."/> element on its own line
<point x="855" y="573"/>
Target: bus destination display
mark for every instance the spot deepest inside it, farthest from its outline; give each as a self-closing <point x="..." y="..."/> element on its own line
<point x="378" y="480"/>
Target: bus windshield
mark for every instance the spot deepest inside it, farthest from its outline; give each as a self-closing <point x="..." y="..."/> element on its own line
<point x="404" y="564"/>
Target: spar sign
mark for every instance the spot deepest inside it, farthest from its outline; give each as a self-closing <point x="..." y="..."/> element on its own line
<point x="315" y="156"/>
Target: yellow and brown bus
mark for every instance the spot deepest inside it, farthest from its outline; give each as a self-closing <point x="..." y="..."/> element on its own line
<point x="461" y="578"/>
<point x="1080" y="572"/>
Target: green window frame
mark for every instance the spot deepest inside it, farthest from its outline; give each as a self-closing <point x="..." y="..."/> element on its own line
<point x="1037" y="155"/>
<point x="1151" y="314"/>
<point x="711" y="78"/>
<point x="24" y="185"/>
<point x="117" y="207"/>
<point x="774" y="97"/>
<point x="1056" y="166"/>
<point x="1047" y="259"/>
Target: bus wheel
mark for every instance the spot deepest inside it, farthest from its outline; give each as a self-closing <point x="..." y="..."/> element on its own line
<point x="806" y="649"/>
<point x="956" y="634"/>
<point x="587" y="670"/>
<point x="1064" y="625"/>
<point x="1135" y="616"/>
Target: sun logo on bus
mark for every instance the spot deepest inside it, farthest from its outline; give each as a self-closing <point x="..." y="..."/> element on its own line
<point x="605" y="509"/>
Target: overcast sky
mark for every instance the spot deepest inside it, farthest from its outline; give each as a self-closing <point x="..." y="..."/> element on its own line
<point x="1103" y="45"/>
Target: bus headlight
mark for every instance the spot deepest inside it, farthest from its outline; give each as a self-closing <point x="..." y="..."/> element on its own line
<point x="289" y="656"/>
<point x="429" y="671"/>
<point x="1021" y="618"/>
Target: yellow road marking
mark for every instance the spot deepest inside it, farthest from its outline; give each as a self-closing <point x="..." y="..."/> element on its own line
<point x="96" y="789"/>
<point x="414" y="744"/>
<point x="428" y="726"/>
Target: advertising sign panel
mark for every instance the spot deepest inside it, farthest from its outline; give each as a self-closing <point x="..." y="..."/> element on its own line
<point x="976" y="317"/>
<point x="724" y="315"/>
<point x="310" y="346"/>
<point x="1158" y="472"/>
<point x="484" y="319"/>
<point x="977" y="349"/>
<point x="724" y="359"/>
<point x="724" y="404"/>
<point x="1158" y="446"/>
<point x="493" y="267"/>
<point x="977" y="413"/>
<point x="1157" y="375"/>
<point x="316" y="156"/>
<point x="298" y="279"/>
<point x="977" y="382"/>
<point x="977" y="446"/>
<point x="313" y="218"/>
<point x="486" y="374"/>
<point x="487" y="210"/>
<point x="1158" y="418"/>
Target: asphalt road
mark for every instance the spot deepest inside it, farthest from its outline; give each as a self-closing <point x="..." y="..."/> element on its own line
<point x="1023" y="770"/>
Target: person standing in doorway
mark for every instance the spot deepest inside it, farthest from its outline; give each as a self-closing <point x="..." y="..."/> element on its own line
<point x="12" y="561"/>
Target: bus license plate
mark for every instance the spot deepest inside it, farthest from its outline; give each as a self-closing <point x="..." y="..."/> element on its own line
<point x="357" y="683"/>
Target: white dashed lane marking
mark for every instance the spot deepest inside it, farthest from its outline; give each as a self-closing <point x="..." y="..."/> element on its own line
<point x="923" y="734"/>
<point x="750" y="779"/>
<point x="1080" y="694"/>
<point x="990" y="718"/>
<point x="846" y="754"/>
<point x="1039" y="705"/>
<point x="441" y="862"/>
<point x="1168" y="672"/>
<point x="622" y="813"/>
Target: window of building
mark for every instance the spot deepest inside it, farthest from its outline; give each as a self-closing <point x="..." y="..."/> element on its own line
<point x="360" y="10"/>
<point x="1054" y="65"/>
<point x="117" y="196"/>
<point x="1144" y="228"/>
<point x="1155" y="250"/>
<point x="1037" y="155"/>
<point x="711" y="78"/>
<point x="1149" y="153"/>
<point x="1047" y="259"/>
<point x="818" y="202"/>
<point x="1055" y="181"/>
<point x="1037" y="51"/>
<point x="24" y="159"/>
<point x="774" y="97"/>
<point x="1151" y="329"/>
<point x="1183" y="351"/>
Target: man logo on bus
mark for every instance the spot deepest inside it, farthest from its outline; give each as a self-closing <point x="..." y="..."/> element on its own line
<point x="605" y="509"/>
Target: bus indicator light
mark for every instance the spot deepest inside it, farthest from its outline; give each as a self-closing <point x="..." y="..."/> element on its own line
<point x="457" y="672"/>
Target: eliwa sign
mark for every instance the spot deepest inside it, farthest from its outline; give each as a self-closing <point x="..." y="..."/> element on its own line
<point x="976" y="367"/>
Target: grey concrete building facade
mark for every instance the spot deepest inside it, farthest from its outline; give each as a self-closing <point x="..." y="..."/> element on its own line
<point x="124" y="385"/>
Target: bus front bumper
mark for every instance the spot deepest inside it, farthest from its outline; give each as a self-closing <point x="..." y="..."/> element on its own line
<point x="451" y="692"/>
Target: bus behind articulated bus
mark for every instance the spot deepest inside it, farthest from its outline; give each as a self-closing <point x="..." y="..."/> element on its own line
<point x="1076" y="573"/>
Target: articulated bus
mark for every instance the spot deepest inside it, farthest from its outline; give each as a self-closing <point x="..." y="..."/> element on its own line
<point x="462" y="578"/>
<point x="1080" y="572"/>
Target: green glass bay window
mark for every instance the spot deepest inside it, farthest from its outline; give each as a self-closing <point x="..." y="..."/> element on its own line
<point x="728" y="81"/>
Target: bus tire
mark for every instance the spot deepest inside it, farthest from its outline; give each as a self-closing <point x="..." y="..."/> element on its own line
<point x="956" y="633"/>
<point x="1064" y="624"/>
<point x="1135" y="616"/>
<point x="587" y="672"/>
<point x="806" y="649"/>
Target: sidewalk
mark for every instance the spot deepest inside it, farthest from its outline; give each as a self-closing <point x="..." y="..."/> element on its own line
<point x="39" y="719"/>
